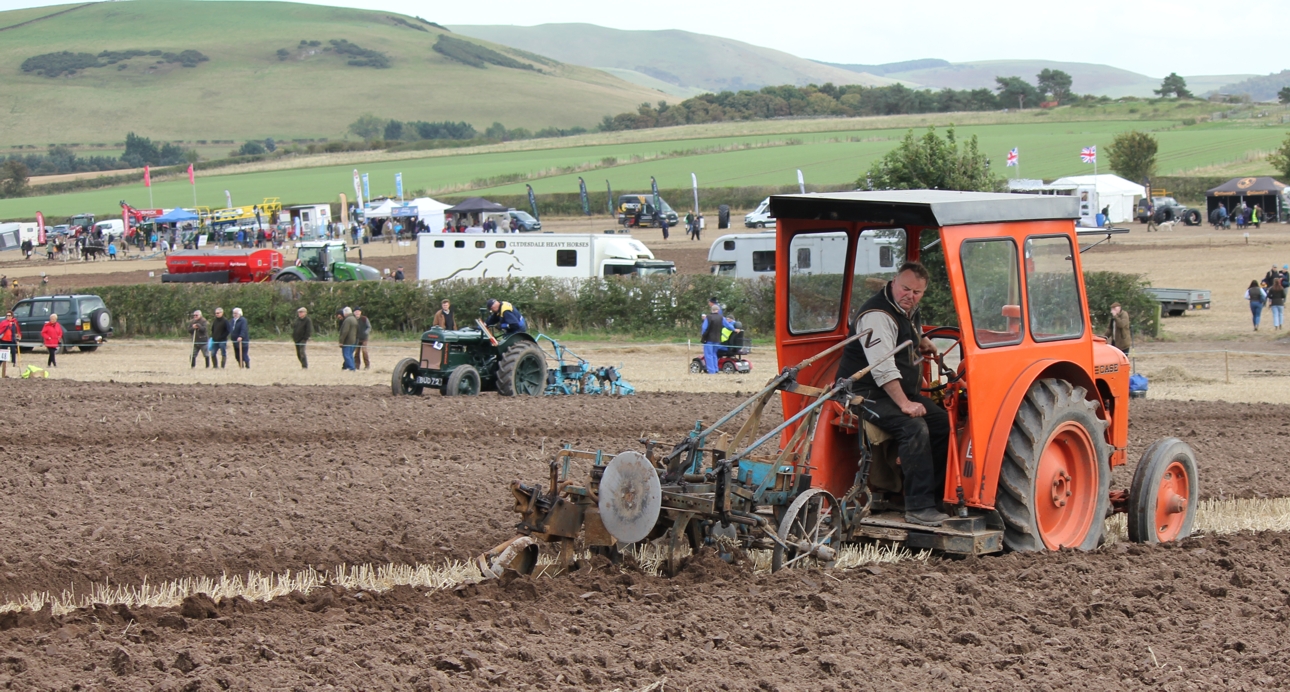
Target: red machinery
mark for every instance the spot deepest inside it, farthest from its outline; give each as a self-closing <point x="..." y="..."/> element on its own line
<point x="221" y="266"/>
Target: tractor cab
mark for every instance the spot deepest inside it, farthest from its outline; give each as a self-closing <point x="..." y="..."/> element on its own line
<point x="319" y="258"/>
<point x="1038" y="405"/>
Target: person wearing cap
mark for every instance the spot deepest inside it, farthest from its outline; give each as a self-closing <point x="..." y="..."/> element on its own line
<point x="239" y="332"/>
<point x="504" y="315"/>
<point x="301" y="329"/>
<point x="364" y="333"/>
<point x="1285" y="275"/>
<point x="348" y="338"/>
<point x="200" y="330"/>
<point x="1119" y="333"/>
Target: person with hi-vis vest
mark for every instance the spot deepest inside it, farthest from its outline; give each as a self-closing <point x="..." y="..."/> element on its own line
<point x="714" y="324"/>
<point x="504" y="315"/>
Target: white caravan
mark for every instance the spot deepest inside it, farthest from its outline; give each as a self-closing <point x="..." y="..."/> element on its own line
<point x="750" y="255"/>
<point x="443" y="256"/>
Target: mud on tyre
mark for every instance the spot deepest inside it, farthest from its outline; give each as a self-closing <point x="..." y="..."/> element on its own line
<point x="522" y="371"/>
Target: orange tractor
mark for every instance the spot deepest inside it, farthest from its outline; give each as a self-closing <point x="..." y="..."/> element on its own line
<point x="1038" y="408"/>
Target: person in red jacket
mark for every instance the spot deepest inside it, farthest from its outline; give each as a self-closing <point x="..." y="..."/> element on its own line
<point x="10" y="333"/>
<point x="51" y="334"/>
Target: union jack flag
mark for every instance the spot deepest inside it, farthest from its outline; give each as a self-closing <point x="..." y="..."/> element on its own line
<point x="1012" y="157"/>
<point x="1089" y="154"/>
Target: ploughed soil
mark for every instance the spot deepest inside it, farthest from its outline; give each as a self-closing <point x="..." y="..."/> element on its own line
<point x="690" y="257"/>
<point x="106" y="482"/>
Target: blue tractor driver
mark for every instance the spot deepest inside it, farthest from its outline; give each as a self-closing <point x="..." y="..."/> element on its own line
<point x="505" y="315"/>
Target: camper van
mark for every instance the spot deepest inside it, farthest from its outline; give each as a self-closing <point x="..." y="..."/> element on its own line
<point x="750" y="255"/>
<point x="443" y="256"/>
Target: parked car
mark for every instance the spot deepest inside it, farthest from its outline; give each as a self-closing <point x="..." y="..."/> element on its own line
<point x="527" y="224"/>
<point x="760" y="217"/>
<point x="630" y="205"/>
<point x="1169" y="209"/>
<point x="85" y="319"/>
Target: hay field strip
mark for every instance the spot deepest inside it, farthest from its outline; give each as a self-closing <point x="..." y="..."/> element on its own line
<point x="833" y="157"/>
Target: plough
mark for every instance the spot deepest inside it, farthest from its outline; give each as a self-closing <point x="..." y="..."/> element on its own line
<point x="574" y="375"/>
<point x="714" y="489"/>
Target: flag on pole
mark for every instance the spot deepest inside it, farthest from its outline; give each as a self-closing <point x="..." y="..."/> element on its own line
<point x="191" y="179"/>
<point x="658" y="204"/>
<point x="398" y="185"/>
<point x="582" y="194"/>
<point x="147" y="176"/>
<point x="1013" y="158"/>
<point x="40" y="228"/>
<point x="801" y="182"/>
<point x="533" y="202"/>
<point x="367" y="190"/>
<point x="1088" y="154"/>
<point x="610" y="188"/>
<point x="694" y="180"/>
<point x="229" y="199"/>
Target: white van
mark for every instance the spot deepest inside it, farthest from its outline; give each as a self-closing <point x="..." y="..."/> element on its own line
<point x="760" y="217"/>
<point x="110" y="228"/>
<point x="750" y="255"/>
<point x="443" y="256"/>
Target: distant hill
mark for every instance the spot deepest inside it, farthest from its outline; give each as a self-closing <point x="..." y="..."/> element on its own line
<point x="1088" y="78"/>
<point x="272" y="70"/>
<point x="685" y="60"/>
<point x="1263" y="88"/>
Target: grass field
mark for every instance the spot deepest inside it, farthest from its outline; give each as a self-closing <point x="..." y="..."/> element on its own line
<point x="245" y="91"/>
<point x="830" y="152"/>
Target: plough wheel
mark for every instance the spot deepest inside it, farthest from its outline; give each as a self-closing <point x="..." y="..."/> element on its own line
<point x="809" y="529"/>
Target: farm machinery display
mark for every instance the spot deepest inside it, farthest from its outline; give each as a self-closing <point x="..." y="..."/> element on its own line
<point x="467" y="361"/>
<point x="231" y="266"/>
<point x="1037" y="409"/>
<point x="573" y="374"/>
<point x="325" y="260"/>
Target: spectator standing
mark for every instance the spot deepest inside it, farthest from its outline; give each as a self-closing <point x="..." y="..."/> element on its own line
<point x="1257" y="297"/>
<point x="51" y="334"/>
<point x="239" y="332"/>
<point x="364" y="333"/>
<point x="200" y="329"/>
<point x="398" y="274"/>
<point x="301" y="330"/>
<point x="218" y="343"/>
<point x="1277" y="302"/>
<point x="662" y="223"/>
<point x="444" y="318"/>
<point x="1284" y="275"/>
<point x="348" y="338"/>
<point x="1271" y="276"/>
<point x="689" y="224"/>
<point x="1256" y="216"/>
<point x="1120" y="332"/>
<point x="10" y="335"/>
<point x="515" y="225"/>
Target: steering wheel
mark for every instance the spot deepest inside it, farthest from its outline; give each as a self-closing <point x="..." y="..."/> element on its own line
<point x="956" y="335"/>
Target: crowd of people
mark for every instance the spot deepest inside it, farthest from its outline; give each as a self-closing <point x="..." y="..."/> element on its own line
<point x="1243" y="216"/>
<point x="1270" y="292"/>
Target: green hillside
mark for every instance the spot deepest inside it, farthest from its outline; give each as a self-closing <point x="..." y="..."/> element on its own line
<point x="830" y="152"/>
<point x="1089" y="78"/>
<point x="680" y="58"/>
<point x="246" y="91"/>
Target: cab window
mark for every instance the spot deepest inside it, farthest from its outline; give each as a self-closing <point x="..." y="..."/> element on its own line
<point x="994" y="291"/>
<point x="40" y="309"/>
<point x="815" y="296"/>
<point x="62" y="307"/>
<point x="22" y="310"/>
<point x="764" y="260"/>
<point x="1052" y="289"/>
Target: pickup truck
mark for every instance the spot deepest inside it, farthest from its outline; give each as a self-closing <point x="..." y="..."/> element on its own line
<point x="1175" y="301"/>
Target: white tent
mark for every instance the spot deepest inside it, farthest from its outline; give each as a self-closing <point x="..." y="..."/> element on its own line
<point x="1112" y="191"/>
<point x="428" y="210"/>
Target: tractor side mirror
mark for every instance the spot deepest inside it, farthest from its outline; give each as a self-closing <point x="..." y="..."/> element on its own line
<point x="1012" y="311"/>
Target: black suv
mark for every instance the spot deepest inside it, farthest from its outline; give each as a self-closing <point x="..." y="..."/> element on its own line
<point x="85" y="319"/>
<point x="1169" y="209"/>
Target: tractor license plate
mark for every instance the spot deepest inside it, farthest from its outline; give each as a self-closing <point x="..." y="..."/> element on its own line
<point x="427" y="381"/>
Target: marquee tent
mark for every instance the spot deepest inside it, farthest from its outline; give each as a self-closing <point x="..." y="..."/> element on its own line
<point x="1263" y="191"/>
<point x="1118" y="194"/>
<point x="423" y="208"/>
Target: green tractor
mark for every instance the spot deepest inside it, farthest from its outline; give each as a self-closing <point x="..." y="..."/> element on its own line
<point x="465" y="362"/>
<point x="324" y="260"/>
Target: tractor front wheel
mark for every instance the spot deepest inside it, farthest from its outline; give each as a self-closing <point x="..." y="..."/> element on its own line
<point x="404" y="380"/>
<point x="1053" y="487"/>
<point x="1162" y="498"/>
<point x="463" y="381"/>
<point x="522" y="371"/>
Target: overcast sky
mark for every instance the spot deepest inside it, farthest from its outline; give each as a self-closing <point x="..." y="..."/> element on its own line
<point x="1153" y="37"/>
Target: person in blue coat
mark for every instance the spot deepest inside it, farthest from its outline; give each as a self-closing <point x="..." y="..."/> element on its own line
<point x="504" y="315"/>
<point x="710" y="335"/>
<point x="240" y="334"/>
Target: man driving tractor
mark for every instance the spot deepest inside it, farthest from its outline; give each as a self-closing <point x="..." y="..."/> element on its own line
<point x="505" y="315"/>
<point x="893" y="400"/>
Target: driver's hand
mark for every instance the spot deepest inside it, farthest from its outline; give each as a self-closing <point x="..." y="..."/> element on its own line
<point x="913" y="409"/>
<point x="926" y="347"/>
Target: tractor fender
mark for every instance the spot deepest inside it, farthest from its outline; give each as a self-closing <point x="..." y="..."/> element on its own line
<point x="290" y="271"/>
<point x="1048" y="367"/>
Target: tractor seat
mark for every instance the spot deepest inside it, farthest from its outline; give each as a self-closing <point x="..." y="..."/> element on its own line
<point x="884" y="473"/>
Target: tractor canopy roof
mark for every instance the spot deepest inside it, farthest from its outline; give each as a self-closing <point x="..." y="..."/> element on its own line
<point x="925" y="208"/>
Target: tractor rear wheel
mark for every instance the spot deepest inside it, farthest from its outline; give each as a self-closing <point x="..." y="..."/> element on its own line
<point x="1053" y="486"/>
<point x="522" y="371"/>
<point x="404" y="380"/>
<point x="1162" y="498"/>
<point x="462" y="381"/>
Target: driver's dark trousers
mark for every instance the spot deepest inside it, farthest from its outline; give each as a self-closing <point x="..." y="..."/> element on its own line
<point x="922" y="444"/>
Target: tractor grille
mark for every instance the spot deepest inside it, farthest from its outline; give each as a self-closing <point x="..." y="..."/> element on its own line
<point x="432" y="358"/>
